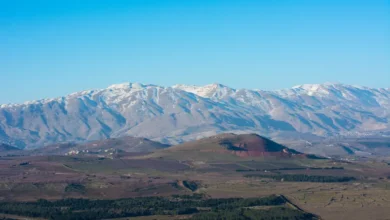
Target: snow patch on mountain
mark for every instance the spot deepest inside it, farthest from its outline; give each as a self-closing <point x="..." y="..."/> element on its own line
<point x="206" y="91"/>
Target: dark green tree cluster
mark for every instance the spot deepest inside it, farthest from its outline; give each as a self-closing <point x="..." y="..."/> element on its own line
<point x="190" y="185"/>
<point x="195" y="196"/>
<point x="75" y="187"/>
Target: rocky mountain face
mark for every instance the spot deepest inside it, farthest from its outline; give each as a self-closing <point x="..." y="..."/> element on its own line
<point x="181" y="113"/>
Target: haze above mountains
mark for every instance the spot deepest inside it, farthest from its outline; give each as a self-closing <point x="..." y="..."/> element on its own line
<point x="181" y="113"/>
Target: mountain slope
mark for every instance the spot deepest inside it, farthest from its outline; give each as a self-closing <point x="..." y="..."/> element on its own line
<point x="181" y="113"/>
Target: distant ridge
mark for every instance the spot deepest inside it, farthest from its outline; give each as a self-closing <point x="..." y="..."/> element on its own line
<point x="102" y="147"/>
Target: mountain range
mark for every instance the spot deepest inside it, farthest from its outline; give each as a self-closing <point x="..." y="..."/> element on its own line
<point x="180" y="113"/>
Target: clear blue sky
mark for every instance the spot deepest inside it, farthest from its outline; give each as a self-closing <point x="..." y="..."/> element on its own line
<point x="55" y="47"/>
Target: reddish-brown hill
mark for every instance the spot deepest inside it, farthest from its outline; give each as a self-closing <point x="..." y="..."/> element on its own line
<point x="242" y="145"/>
<point x="253" y="145"/>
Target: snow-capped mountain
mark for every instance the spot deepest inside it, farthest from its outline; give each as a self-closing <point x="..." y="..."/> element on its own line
<point x="181" y="112"/>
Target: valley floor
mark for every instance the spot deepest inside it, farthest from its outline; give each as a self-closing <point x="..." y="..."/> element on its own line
<point x="366" y="196"/>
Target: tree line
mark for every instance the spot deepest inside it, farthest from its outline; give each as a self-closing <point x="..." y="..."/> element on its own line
<point x="85" y="209"/>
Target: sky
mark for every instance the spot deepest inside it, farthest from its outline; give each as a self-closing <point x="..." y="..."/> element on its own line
<point x="53" y="48"/>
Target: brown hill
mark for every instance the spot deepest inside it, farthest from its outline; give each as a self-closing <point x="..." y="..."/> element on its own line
<point x="253" y="145"/>
<point x="229" y="146"/>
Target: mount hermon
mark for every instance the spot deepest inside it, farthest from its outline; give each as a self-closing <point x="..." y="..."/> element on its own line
<point x="181" y="112"/>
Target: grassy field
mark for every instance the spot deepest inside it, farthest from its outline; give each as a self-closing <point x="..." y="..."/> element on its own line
<point x="216" y="175"/>
<point x="353" y="200"/>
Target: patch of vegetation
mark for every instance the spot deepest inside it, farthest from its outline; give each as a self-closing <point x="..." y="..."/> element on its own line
<point x="175" y="185"/>
<point x="75" y="187"/>
<point x="315" y="157"/>
<point x="229" y="146"/>
<point x="348" y="150"/>
<point x="195" y="196"/>
<point x="24" y="164"/>
<point x="193" y="186"/>
<point x="303" y="178"/>
<point x="147" y="206"/>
